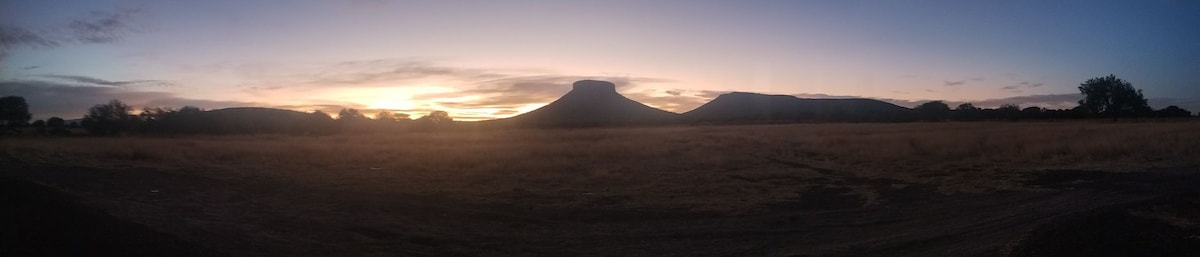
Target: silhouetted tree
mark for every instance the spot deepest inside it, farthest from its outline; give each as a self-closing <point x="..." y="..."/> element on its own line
<point x="967" y="112"/>
<point x="436" y="117"/>
<point x="1009" y="111"/>
<point x="1112" y="96"/>
<point x="57" y="125"/>
<point x="385" y="116"/>
<point x="351" y="114"/>
<point x="109" y="119"/>
<point x="1032" y="113"/>
<point x="14" y="113"/>
<point x="435" y="120"/>
<point x="934" y="111"/>
<point x="39" y="126"/>
<point x="186" y="120"/>
<point x="1173" y="112"/>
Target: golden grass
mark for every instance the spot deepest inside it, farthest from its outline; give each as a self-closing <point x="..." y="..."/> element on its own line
<point x="719" y="168"/>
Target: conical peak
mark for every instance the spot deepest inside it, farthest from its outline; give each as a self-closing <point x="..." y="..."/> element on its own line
<point x="594" y="87"/>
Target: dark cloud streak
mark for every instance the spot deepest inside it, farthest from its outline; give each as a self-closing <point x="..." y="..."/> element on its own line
<point x="101" y="82"/>
<point x="954" y="83"/>
<point x="102" y="27"/>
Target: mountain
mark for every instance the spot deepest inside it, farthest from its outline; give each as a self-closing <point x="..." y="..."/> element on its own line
<point x="591" y="103"/>
<point x="741" y="107"/>
<point x="264" y="120"/>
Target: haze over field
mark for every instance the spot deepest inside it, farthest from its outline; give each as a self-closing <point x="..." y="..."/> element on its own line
<point x="495" y="59"/>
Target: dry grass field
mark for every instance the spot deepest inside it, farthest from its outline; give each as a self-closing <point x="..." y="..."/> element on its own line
<point x="919" y="189"/>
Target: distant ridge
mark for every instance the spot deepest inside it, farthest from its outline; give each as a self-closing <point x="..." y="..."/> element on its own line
<point x="742" y="107"/>
<point x="591" y="103"/>
<point x="264" y="120"/>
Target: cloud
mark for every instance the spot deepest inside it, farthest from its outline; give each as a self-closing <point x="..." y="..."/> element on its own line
<point x="823" y="96"/>
<point x="954" y="83"/>
<point x="505" y="112"/>
<point x="1052" y="101"/>
<point x="100" y="27"/>
<point x="30" y="67"/>
<point x="52" y="98"/>
<point x="674" y="91"/>
<point x="520" y="91"/>
<point x="12" y="37"/>
<point x="332" y="108"/>
<point x="104" y="27"/>
<point x="368" y="72"/>
<point x="673" y="103"/>
<point x="1009" y="88"/>
<point x="1035" y="85"/>
<point x="101" y="82"/>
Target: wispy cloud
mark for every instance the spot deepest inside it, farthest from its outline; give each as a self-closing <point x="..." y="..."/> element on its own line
<point x="520" y="91"/>
<point x="12" y="37"/>
<point x="954" y="83"/>
<point x="369" y="72"/>
<point x="99" y="27"/>
<point x="104" y="26"/>
<point x="101" y="82"/>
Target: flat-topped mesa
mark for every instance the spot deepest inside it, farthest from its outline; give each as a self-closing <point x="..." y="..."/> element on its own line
<point x="593" y="103"/>
<point x="593" y="87"/>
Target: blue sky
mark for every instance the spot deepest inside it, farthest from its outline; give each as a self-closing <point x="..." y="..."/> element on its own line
<point x="486" y="59"/>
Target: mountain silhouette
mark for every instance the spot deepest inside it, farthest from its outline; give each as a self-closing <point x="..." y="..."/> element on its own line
<point x="591" y="103"/>
<point x="742" y="107"/>
<point x="264" y="120"/>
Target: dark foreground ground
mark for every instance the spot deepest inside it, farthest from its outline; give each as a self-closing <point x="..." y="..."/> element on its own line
<point x="145" y="212"/>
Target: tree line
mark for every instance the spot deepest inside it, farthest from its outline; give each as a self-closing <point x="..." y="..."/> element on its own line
<point x="118" y="118"/>
<point x="1104" y="97"/>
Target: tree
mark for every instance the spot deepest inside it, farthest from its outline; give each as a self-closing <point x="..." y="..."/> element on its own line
<point x="1032" y="112"/>
<point x="39" y="126"/>
<point x="186" y="120"/>
<point x="1009" y="111"/>
<point x="934" y="111"/>
<point x="57" y="125"/>
<point x="966" y="112"/>
<point x="109" y="119"/>
<point x="437" y="117"/>
<point x="14" y="113"/>
<point x="350" y="114"/>
<point x="1112" y="96"/>
<point x="385" y="116"/>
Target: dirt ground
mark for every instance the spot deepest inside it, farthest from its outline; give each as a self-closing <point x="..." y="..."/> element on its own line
<point x="67" y="208"/>
<point x="329" y="223"/>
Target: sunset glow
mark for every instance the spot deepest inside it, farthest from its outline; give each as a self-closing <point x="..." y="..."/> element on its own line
<point x="500" y="58"/>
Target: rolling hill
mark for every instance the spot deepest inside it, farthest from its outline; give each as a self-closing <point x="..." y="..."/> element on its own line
<point x="742" y="107"/>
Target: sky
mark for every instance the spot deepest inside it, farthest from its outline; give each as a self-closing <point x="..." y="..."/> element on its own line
<point x="492" y="59"/>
